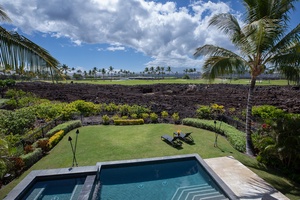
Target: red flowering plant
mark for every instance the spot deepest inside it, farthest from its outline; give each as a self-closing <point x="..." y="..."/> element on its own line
<point x="265" y="127"/>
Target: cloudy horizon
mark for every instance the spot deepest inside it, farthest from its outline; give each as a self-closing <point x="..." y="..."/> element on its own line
<point x="166" y="33"/>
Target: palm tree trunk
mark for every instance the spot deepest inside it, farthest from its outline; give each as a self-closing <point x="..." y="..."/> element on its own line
<point x="249" y="143"/>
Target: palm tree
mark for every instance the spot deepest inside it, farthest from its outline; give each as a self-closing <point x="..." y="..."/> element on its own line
<point x="110" y="69"/>
<point x="65" y="69"/>
<point x="162" y="69"/>
<point x="94" y="72"/>
<point x="264" y="40"/>
<point x="146" y="70"/>
<point x="152" y="70"/>
<point x="103" y="71"/>
<point x="157" y="69"/>
<point x="18" y="51"/>
<point x="169" y="70"/>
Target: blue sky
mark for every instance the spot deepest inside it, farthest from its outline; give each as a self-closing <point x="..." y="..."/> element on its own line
<point x="124" y="34"/>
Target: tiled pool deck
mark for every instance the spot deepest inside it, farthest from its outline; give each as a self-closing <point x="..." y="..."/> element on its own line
<point x="242" y="182"/>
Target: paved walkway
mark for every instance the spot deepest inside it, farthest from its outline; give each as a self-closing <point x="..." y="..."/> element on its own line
<point x="242" y="181"/>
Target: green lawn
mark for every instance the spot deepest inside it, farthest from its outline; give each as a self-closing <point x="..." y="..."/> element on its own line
<point x="107" y="143"/>
<point x="177" y="81"/>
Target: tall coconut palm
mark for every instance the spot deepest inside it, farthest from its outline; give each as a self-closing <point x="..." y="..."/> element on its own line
<point x="169" y="70"/>
<point x="103" y="71"/>
<point x="17" y="51"/>
<point x="111" y="70"/>
<point x="264" y="40"/>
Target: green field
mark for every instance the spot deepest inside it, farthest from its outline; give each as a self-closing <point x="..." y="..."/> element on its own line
<point x="178" y="81"/>
<point x="107" y="143"/>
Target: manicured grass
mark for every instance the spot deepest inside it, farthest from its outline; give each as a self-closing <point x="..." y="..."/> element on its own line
<point x="107" y="143"/>
<point x="176" y="81"/>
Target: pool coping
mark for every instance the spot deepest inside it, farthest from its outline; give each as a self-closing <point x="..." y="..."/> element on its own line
<point x="29" y="180"/>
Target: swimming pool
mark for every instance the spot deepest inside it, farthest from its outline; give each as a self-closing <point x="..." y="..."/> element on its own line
<point x="56" y="189"/>
<point x="173" y="177"/>
<point x="56" y="184"/>
<point x="160" y="179"/>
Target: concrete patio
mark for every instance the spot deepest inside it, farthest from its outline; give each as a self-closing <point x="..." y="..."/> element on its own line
<point x="242" y="181"/>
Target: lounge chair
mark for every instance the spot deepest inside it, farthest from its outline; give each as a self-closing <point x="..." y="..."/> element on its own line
<point x="185" y="137"/>
<point x="171" y="140"/>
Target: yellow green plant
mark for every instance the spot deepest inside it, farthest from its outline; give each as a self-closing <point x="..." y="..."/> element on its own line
<point x="55" y="138"/>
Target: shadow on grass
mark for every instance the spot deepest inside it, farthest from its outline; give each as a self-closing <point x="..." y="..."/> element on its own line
<point x="282" y="183"/>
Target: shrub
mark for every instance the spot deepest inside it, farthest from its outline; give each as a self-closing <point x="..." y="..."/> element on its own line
<point x="153" y="117"/>
<point x="139" y="110"/>
<point x="111" y="107"/>
<point x="115" y="117"/>
<point x="43" y="144"/>
<point x="66" y="127"/>
<point x="55" y="138"/>
<point x="235" y="137"/>
<point x="105" y="119"/>
<point x="217" y="109"/>
<point x="28" y="149"/>
<point x="204" y="112"/>
<point x="17" y="165"/>
<point x="175" y="117"/>
<point x="164" y="114"/>
<point x="133" y="116"/>
<point x="129" y="122"/>
<point x="145" y="115"/>
<point x="31" y="158"/>
<point x="85" y="108"/>
<point x="68" y="111"/>
<point x="18" y="121"/>
<point x="278" y="142"/>
<point x="48" y="111"/>
<point x="267" y="112"/>
<point x="124" y="109"/>
<point x="186" y="76"/>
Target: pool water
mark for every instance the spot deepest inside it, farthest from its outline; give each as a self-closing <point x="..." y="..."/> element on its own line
<point x="169" y="179"/>
<point x="61" y="189"/>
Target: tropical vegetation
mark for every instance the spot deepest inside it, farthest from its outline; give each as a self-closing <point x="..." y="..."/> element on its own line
<point x="263" y="40"/>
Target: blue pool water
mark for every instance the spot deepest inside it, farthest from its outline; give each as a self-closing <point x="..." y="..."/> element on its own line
<point x="58" y="189"/>
<point x="169" y="179"/>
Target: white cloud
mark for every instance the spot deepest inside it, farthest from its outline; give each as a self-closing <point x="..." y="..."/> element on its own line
<point x="116" y="48"/>
<point x="162" y="31"/>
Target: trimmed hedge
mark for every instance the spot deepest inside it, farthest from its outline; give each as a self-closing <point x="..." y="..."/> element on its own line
<point x="235" y="137"/>
<point x="56" y="138"/>
<point x="31" y="158"/>
<point x="66" y="127"/>
<point x="128" y="121"/>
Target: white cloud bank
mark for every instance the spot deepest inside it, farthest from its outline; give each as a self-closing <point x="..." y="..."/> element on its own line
<point x="163" y="31"/>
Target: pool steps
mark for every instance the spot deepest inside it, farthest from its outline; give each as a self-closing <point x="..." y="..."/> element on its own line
<point x="195" y="192"/>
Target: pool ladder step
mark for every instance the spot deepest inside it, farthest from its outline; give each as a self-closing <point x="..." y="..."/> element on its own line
<point x="198" y="192"/>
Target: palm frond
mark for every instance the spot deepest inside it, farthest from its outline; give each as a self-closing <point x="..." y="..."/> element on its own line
<point x="258" y="9"/>
<point x="287" y="41"/>
<point x="212" y="50"/>
<point x="17" y="50"/>
<point x="229" y="25"/>
<point x="3" y="15"/>
<point x="216" y="65"/>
